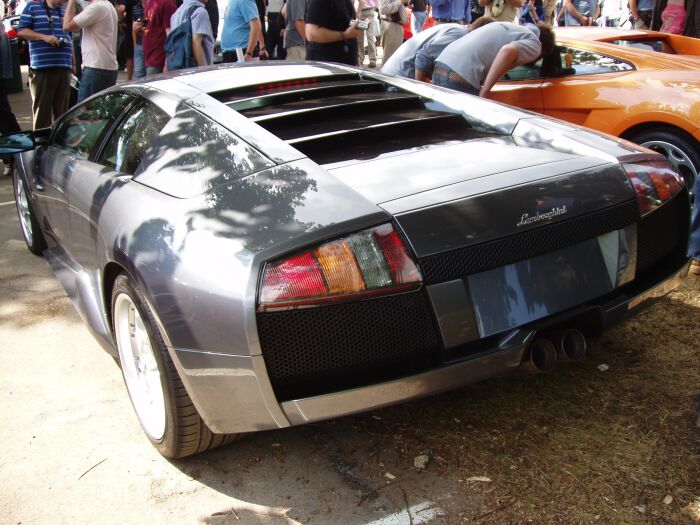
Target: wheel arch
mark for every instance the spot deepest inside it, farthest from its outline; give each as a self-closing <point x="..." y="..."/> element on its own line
<point x="109" y="276"/>
<point x="665" y="126"/>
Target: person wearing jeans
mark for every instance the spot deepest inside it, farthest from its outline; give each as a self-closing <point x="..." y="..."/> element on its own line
<point x="100" y="24"/>
<point x="137" y="28"/>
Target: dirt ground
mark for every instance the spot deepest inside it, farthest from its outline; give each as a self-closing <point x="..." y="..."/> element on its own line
<point x="586" y="444"/>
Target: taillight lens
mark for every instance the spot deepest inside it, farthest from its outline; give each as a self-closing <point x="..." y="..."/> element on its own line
<point x="370" y="262"/>
<point x="654" y="182"/>
<point x="11" y="34"/>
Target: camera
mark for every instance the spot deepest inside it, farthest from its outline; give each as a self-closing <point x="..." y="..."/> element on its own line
<point x="361" y="24"/>
<point x="63" y="41"/>
<point x="142" y="21"/>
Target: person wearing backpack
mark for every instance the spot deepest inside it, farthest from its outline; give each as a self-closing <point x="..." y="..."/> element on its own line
<point x="191" y="40"/>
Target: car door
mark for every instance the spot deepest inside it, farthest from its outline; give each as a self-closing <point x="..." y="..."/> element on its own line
<point x="75" y="137"/>
<point x="521" y="87"/>
<point x="577" y="82"/>
<point x="111" y="167"/>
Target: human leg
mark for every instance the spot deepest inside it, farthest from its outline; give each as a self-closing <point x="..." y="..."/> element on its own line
<point x="153" y="70"/>
<point x="392" y="38"/>
<point x="296" y="53"/>
<point x="139" y="62"/>
<point x="417" y="21"/>
<point x="95" y="80"/>
<point x="61" y="99"/>
<point x="42" y="97"/>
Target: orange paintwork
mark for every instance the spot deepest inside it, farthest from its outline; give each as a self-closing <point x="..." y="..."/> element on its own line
<point x="662" y="88"/>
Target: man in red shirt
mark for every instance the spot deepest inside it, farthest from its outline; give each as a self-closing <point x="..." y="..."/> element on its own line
<point x="157" y="17"/>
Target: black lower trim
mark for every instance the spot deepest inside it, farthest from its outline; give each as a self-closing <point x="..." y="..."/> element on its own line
<point x="525" y="245"/>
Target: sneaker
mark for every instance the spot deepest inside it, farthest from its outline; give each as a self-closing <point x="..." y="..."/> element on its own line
<point x="372" y="64"/>
<point x="694" y="267"/>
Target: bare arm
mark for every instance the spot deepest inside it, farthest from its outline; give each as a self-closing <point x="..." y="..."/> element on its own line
<point x="198" y="49"/>
<point x="68" y="22"/>
<point x="299" y="24"/>
<point x="135" y="30"/>
<point x="254" y="37"/>
<point x="633" y="9"/>
<point x="504" y="61"/>
<point x="323" y="35"/>
<point x="30" y="34"/>
<point x="422" y="76"/>
<point x="571" y="9"/>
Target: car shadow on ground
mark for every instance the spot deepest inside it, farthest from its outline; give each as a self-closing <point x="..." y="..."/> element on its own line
<point x="604" y="439"/>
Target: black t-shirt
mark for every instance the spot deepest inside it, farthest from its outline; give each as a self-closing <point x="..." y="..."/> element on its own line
<point x="418" y="5"/>
<point x="335" y="15"/>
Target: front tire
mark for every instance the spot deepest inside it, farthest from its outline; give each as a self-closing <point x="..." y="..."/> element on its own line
<point x="164" y="409"/>
<point x="682" y="151"/>
<point x="28" y="223"/>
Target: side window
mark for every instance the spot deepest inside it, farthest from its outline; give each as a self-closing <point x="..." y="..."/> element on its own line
<point x="524" y="72"/>
<point x="79" y="132"/>
<point x="568" y="61"/>
<point x="128" y="144"/>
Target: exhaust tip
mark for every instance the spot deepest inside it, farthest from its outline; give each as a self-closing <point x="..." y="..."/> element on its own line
<point x="572" y="345"/>
<point x="542" y="356"/>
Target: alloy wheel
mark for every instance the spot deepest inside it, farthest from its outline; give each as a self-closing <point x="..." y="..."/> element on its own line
<point x="25" y="213"/>
<point x="678" y="158"/>
<point x="139" y="365"/>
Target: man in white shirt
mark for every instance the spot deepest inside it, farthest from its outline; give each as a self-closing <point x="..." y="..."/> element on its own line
<point x="99" y="22"/>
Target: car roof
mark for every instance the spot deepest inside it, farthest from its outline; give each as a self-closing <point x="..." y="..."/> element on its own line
<point x="604" y="40"/>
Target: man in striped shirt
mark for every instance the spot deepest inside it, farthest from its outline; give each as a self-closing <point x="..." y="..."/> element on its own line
<point x="50" y="58"/>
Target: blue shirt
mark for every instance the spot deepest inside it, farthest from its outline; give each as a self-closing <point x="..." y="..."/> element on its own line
<point x="201" y="25"/>
<point x="41" y="54"/>
<point x="237" y="19"/>
<point x="450" y="9"/>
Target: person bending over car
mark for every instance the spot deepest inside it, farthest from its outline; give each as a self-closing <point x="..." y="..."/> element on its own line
<point x="475" y="62"/>
<point x="416" y="56"/>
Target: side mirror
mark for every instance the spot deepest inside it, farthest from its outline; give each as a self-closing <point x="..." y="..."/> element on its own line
<point x="17" y="143"/>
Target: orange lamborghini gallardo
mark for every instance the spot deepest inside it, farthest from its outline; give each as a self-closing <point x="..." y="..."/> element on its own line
<point x="643" y="86"/>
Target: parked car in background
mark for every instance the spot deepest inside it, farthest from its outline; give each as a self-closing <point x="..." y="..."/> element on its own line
<point x="10" y="24"/>
<point x="640" y="85"/>
<point x="272" y="244"/>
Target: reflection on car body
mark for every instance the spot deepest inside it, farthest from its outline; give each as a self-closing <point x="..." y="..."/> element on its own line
<point x="269" y="245"/>
<point x="639" y="85"/>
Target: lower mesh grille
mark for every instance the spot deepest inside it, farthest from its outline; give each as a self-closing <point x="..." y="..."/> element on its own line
<point x="328" y="348"/>
<point x="663" y="233"/>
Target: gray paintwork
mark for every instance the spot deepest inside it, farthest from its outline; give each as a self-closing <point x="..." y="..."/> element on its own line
<point x="196" y="242"/>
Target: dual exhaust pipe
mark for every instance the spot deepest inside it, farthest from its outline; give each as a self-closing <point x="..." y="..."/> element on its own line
<point x="544" y="352"/>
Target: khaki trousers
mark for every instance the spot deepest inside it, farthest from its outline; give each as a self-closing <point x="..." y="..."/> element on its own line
<point x="50" y="90"/>
<point x="296" y="53"/>
<point x="392" y="38"/>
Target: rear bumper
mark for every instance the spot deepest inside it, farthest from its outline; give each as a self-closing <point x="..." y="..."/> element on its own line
<point x="233" y="393"/>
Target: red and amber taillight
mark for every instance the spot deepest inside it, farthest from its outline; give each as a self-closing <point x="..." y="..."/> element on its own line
<point x="654" y="182"/>
<point x="370" y="262"/>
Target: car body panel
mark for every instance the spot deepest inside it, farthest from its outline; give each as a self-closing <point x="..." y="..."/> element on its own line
<point x="197" y="237"/>
<point x="661" y="89"/>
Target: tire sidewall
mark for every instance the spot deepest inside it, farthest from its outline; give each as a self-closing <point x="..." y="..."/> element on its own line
<point x="672" y="137"/>
<point x="125" y="285"/>
<point x="35" y="241"/>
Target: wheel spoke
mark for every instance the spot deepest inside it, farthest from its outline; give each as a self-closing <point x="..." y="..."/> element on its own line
<point x="140" y="366"/>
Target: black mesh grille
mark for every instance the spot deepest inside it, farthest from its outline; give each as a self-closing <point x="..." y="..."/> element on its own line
<point x="474" y="259"/>
<point x="663" y="232"/>
<point x="317" y="350"/>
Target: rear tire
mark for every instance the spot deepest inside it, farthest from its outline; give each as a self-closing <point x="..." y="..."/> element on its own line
<point x="165" y="410"/>
<point x="681" y="150"/>
<point x="28" y="223"/>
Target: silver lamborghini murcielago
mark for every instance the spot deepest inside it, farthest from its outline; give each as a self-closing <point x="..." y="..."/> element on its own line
<point x="273" y="244"/>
